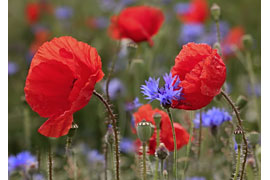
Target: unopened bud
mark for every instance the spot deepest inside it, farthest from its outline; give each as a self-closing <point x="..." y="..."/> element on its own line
<point x="157" y="119"/>
<point x="215" y="11"/>
<point x="162" y="152"/>
<point x="238" y="133"/>
<point x="247" y="41"/>
<point x="241" y="102"/>
<point x="109" y="137"/>
<point x="73" y="129"/>
<point x="253" y="138"/>
<point x="144" y="130"/>
<point x="218" y="47"/>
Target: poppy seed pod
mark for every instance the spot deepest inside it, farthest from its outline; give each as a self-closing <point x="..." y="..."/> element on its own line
<point x="73" y="129"/>
<point x="241" y="102"/>
<point x="215" y="11"/>
<point x="162" y="152"/>
<point x="238" y="133"/>
<point x="145" y="130"/>
<point x="157" y="119"/>
<point x="247" y="41"/>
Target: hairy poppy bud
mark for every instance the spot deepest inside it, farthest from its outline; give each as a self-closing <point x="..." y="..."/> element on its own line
<point x="145" y="130"/>
<point x="157" y="119"/>
<point x="218" y="47"/>
<point x="238" y="133"/>
<point x="215" y="11"/>
<point x="253" y="138"/>
<point x="247" y="41"/>
<point x="162" y="152"/>
<point x="241" y="102"/>
<point x="109" y="137"/>
<point x="73" y="129"/>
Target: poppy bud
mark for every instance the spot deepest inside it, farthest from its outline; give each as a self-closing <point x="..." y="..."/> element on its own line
<point x="162" y="152"/>
<point x="247" y="41"/>
<point x="73" y="129"/>
<point x="253" y="138"/>
<point x="241" y="102"/>
<point x="218" y="47"/>
<point x="238" y="133"/>
<point x="165" y="173"/>
<point x="215" y="11"/>
<point x="157" y="118"/>
<point x="144" y="130"/>
<point x="109" y="137"/>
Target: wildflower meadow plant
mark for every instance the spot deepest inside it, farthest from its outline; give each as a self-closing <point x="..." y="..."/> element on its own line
<point x="154" y="91"/>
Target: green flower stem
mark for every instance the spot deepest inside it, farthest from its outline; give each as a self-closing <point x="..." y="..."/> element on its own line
<point x="218" y="31"/>
<point x="161" y="169"/>
<point x="106" y="160"/>
<point x="188" y="146"/>
<point x="112" y="160"/>
<point x="252" y="77"/>
<point x="238" y="162"/>
<point x="256" y="162"/>
<point x="157" y="161"/>
<point x="50" y="163"/>
<point x="228" y="99"/>
<point x="175" y="146"/>
<point x="111" y="70"/>
<point x="200" y="134"/>
<point x="116" y="141"/>
<point x="144" y="161"/>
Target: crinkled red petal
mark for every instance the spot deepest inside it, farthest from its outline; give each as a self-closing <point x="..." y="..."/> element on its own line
<point x="57" y="126"/>
<point x="202" y="74"/>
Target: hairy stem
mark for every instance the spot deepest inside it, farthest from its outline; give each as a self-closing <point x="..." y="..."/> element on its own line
<point x="218" y="31"/>
<point x="106" y="160"/>
<point x="50" y="163"/>
<point x="238" y="162"/>
<point x="144" y="161"/>
<point x="200" y="134"/>
<point x="161" y="169"/>
<point x="111" y="71"/>
<point x="228" y="99"/>
<point x="157" y="161"/>
<point x="175" y="146"/>
<point x="113" y="119"/>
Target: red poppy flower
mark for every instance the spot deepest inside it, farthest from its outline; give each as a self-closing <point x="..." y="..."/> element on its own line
<point x="182" y="137"/>
<point x="60" y="81"/>
<point x="197" y="12"/>
<point x="202" y="74"/>
<point x="232" y="39"/>
<point x="33" y="12"/>
<point x="138" y="23"/>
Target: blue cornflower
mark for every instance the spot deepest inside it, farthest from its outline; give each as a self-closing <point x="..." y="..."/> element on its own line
<point x="12" y="68"/>
<point x="127" y="145"/>
<point x="213" y="117"/>
<point x="191" y="33"/>
<point x="134" y="105"/>
<point x="182" y="8"/>
<point x="94" y="156"/>
<point x="23" y="161"/>
<point x="195" y="178"/>
<point x="170" y="91"/>
<point x="63" y="12"/>
<point x="116" y="88"/>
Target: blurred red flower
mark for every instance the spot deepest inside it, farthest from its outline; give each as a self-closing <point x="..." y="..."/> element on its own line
<point x="202" y="74"/>
<point x="138" y="23"/>
<point x="197" y="12"/>
<point x="60" y="81"/>
<point x="232" y="40"/>
<point x="146" y="112"/>
<point x="33" y="12"/>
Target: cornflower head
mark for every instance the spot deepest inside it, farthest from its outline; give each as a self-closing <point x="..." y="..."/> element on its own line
<point x="166" y="94"/>
<point x="212" y="118"/>
<point x="23" y="161"/>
